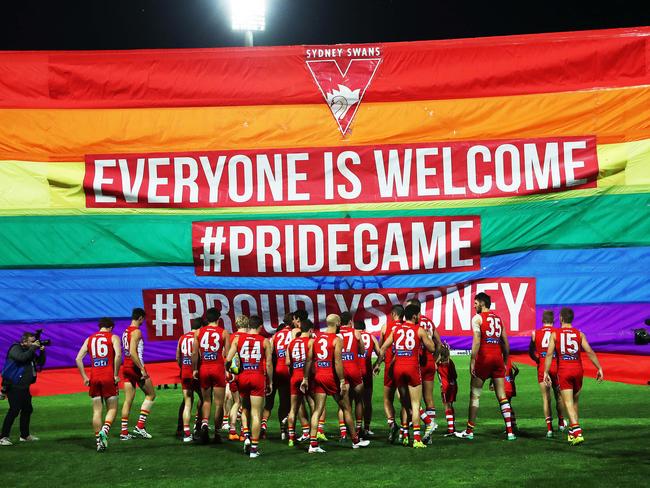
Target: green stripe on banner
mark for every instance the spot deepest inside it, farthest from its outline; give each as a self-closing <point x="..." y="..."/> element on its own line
<point x="131" y="240"/>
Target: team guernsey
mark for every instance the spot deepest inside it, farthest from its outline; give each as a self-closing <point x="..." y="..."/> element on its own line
<point x="252" y="378"/>
<point x="210" y="343"/>
<point x="350" y="356"/>
<point x="102" y="370"/>
<point x="542" y="340"/>
<point x="365" y="358"/>
<point x="489" y="360"/>
<point x="568" y="342"/>
<point x="281" y="341"/>
<point x="448" y="381"/>
<point x="428" y="359"/>
<point x="130" y="371"/>
<point x="406" y="349"/>
<point x="325" y="380"/>
<point x="297" y="351"/>
<point x="186" y="345"/>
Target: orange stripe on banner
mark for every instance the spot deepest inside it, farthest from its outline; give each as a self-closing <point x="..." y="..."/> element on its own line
<point x="614" y="115"/>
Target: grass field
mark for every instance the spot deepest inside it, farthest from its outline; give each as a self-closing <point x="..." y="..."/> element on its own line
<point x="614" y="418"/>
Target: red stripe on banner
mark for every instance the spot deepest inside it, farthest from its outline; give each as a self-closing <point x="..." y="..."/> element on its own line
<point x="342" y="247"/>
<point x="360" y="174"/>
<point x="462" y="68"/>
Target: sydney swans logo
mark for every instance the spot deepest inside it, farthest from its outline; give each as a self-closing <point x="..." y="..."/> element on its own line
<point x="343" y="74"/>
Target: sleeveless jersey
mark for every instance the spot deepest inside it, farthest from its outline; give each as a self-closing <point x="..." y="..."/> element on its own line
<point x="281" y="341"/>
<point x="210" y="344"/>
<point x="186" y="343"/>
<point x="407" y="344"/>
<point x="102" y="355"/>
<point x="250" y="348"/>
<point x="542" y="340"/>
<point x="297" y="351"/>
<point x="350" y="348"/>
<point x="390" y="325"/>
<point x="323" y="354"/>
<point x="491" y="328"/>
<point x="126" y="345"/>
<point x="368" y="348"/>
<point x="568" y="342"/>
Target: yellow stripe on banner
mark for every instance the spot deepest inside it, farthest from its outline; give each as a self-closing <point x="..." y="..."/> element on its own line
<point x="613" y="115"/>
<point x="36" y="188"/>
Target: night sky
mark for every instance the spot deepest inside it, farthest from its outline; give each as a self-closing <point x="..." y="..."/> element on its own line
<point x="133" y="24"/>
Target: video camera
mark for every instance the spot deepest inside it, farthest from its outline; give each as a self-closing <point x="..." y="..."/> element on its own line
<point x="641" y="336"/>
<point x="44" y="342"/>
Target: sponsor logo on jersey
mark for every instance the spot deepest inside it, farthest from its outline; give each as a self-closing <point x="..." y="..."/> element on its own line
<point x="187" y="361"/>
<point x="298" y="365"/>
<point x="250" y="366"/>
<point x="343" y="74"/>
<point x="98" y="363"/>
<point x="210" y="356"/>
<point x="282" y="353"/>
<point x="323" y="364"/>
<point x="347" y="356"/>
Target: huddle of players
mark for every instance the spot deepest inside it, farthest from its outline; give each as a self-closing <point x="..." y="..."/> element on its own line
<point x="310" y="365"/>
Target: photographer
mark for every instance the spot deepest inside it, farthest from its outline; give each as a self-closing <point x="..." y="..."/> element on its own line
<point x="18" y="374"/>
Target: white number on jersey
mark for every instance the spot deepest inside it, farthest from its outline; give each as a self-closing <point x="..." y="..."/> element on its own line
<point x="348" y="341"/>
<point x="247" y="353"/>
<point x="322" y="353"/>
<point x="187" y="345"/>
<point x="495" y="326"/>
<point x="206" y="343"/>
<point x="405" y="339"/>
<point x="568" y="343"/>
<point x="298" y="351"/>
<point x="367" y="342"/>
<point x="99" y="347"/>
<point x="546" y="339"/>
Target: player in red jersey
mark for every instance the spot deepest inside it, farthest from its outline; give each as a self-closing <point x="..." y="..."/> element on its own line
<point x="539" y="341"/>
<point x="490" y="350"/>
<point x="105" y="358"/>
<point x="255" y="378"/>
<point x="510" y="388"/>
<point x="324" y="357"/>
<point x="210" y="345"/>
<point x="135" y="375"/>
<point x="242" y="327"/>
<point x="428" y="368"/>
<point x="569" y="342"/>
<point x="296" y="359"/>
<point x="370" y="345"/>
<point x="448" y="377"/>
<point x="407" y="340"/>
<point x="396" y="317"/>
<point x="280" y="342"/>
<point x="352" y="349"/>
<point x="184" y="351"/>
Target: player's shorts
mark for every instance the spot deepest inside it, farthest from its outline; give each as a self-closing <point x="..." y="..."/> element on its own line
<point x="407" y="375"/>
<point x="570" y="380"/>
<point x="490" y="367"/>
<point x="448" y="393"/>
<point x="281" y="376"/>
<point x="189" y="383"/>
<point x="234" y="385"/>
<point x="133" y="375"/>
<point x="428" y="371"/>
<point x="252" y="385"/>
<point x="363" y="369"/>
<point x="352" y="375"/>
<point x="102" y="387"/>
<point x="213" y="376"/>
<point x="552" y="373"/>
<point x="295" y="382"/>
<point x="388" y="376"/>
<point x="326" y="384"/>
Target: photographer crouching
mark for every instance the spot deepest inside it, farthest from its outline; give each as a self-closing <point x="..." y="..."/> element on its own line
<point x="18" y="374"/>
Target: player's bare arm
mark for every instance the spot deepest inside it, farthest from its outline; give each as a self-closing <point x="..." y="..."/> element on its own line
<point x="382" y="353"/>
<point x="117" y="360"/>
<point x="476" y="342"/>
<point x="268" y="350"/>
<point x="427" y="341"/>
<point x="362" y="346"/>
<point x="178" y="353"/>
<point x="586" y="347"/>
<point x="83" y="350"/>
<point x="308" y="362"/>
<point x="338" y="364"/>
<point x="232" y="350"/>
<point x="195" y="356"/>
<point x="505" y="346"/>
<point x="438" y="342"/>
<point x="532" y="350"/>
<point x="136" y="337"/>
<point x="226" y="342"/>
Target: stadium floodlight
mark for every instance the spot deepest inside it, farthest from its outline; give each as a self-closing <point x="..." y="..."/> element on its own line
<point x="248" y="16"/>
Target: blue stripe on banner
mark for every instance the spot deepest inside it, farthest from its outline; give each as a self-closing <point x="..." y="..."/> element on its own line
<point x="578" y="276"/>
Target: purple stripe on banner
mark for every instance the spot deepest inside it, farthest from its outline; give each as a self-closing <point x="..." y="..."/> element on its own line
<point x="609" y="328"/>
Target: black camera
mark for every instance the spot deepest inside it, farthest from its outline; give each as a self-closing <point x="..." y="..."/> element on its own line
<point x="641" y="336"/>
<point x="44" y="342"/>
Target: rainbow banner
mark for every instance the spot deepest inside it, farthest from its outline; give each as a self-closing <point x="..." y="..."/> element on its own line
<point x="259" y="180"/>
